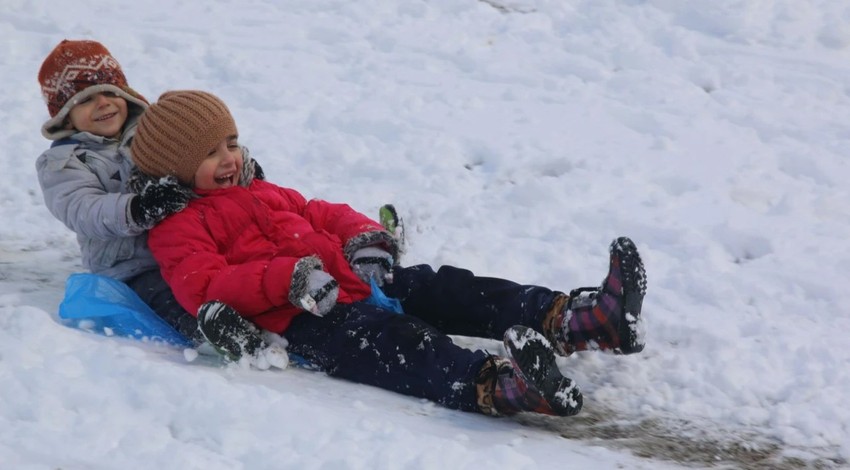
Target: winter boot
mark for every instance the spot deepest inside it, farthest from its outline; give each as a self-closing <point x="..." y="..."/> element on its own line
<point x="394" y="224"/>
<point x="237" y="338"/>
<point x="527" y="382"/>
<point x="605" y="317"/>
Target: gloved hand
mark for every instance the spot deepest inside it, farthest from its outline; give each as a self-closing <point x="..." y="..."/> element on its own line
<point x="321" y="295"/>
<point x="259" y="174"/>
<point x="251" y="168"/>
<point x="158" y="200"/>
<point x="240" y="340"/>
<point x="372" y="262"/>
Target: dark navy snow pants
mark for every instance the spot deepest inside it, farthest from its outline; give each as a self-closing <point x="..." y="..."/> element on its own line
<point x="154" y="291"/>
<point x="411" y="353"/>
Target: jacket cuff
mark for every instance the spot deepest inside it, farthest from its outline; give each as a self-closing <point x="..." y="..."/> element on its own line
<point x="300" y="277"/>
<point x="380" y="238"/>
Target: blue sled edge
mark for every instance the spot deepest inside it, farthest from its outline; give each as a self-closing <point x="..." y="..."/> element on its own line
<point x="109" y="307"/>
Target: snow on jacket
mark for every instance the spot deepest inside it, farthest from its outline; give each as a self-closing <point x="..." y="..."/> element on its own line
<point x="83" y="184"/>
<point x="240" y="245"/>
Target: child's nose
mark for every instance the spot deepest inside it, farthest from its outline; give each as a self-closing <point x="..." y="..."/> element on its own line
<point x="228" y="159"/>
<point x="100" y="100"/>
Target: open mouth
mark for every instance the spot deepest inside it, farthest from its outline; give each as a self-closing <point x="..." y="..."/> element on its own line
<point x="106" y="117"/>
<point x="224" y="180"/>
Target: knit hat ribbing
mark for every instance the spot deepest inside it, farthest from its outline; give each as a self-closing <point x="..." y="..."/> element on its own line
<point x="73" y="71"/>
<point x="176" y="133"/>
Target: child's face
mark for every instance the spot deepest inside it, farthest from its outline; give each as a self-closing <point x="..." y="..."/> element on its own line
<point x="101" y="114"/>
<point x="222" y="167"/>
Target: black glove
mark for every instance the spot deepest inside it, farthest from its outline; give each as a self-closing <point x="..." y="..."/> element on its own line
<point x="250" y="168"/>
<point x="258" y="171"/>
<point x="159" y="199"/>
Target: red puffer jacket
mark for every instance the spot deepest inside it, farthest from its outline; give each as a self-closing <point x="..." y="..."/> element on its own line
<point x="239" y="245"/>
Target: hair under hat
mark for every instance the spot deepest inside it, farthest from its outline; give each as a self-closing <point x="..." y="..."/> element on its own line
<point x="73" y="71"/>
<point x="176" y="133"/>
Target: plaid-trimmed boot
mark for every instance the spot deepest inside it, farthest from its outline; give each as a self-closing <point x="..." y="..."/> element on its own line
<point x="607" y="317"/>
<point x="237" y="339"/>
<point x="528" y="381"/>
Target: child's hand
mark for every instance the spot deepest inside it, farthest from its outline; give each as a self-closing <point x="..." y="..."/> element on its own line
<point x="158" y="200"/>
<point x="373" y="263"/>
<point x="322" y="292"/>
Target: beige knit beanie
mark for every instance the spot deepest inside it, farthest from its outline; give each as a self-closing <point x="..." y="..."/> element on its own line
<point x="176" y="133"/>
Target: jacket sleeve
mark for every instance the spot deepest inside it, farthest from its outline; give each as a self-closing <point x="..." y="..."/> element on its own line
<point x="75" y="196"/>
<point x="338" y="219"/>
<point x="197" y="273"/>
<point x="354" y="229"/>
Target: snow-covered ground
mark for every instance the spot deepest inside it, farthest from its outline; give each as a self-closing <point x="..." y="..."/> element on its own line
<point x="517" y="138"/>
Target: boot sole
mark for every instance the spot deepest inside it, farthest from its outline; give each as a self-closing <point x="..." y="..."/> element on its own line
<point x="634" y="289"/>
<point x="534" y="358"/>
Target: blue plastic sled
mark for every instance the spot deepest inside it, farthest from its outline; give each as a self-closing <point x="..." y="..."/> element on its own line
<point x="109" y="307"/>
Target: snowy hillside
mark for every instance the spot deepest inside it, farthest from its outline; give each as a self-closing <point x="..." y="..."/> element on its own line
<point x="517" y="138"/>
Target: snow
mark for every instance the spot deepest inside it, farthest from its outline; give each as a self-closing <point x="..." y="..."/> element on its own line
<point x="516" y="138"/>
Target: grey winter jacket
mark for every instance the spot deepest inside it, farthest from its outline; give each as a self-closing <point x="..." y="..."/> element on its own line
<point x="84" y="186"/>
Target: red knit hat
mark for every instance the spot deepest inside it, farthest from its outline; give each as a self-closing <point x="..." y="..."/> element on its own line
<point x="73" y="71"/>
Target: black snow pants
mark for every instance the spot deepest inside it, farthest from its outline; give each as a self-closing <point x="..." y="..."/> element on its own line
<point x="411" y="353"/>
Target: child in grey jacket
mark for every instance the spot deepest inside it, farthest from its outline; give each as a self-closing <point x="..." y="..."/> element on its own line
<point x="84" y="174"/>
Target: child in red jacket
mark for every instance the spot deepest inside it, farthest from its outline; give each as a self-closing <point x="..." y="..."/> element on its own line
<point x="247" y="252"/>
